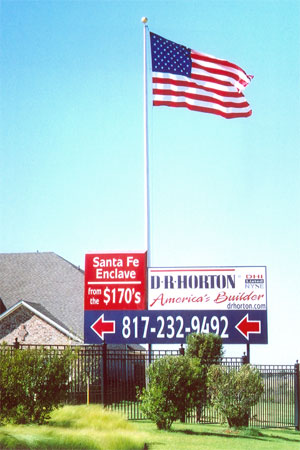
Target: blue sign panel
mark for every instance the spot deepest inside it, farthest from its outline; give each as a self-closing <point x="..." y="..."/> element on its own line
<point x="172" y="327"/>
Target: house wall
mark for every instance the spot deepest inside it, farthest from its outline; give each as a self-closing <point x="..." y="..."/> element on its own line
<point x="30" y="329"/>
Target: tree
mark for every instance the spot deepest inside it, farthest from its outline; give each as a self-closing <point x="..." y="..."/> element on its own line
<point x="233" y="392"/>
<point x="175" y="382"/>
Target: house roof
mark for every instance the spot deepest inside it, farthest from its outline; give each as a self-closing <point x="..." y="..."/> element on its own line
<point x="46" y="282"/>
<point x="41" y="312"/>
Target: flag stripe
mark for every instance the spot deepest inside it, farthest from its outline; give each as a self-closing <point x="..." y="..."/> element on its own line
<point x="205" y="109"/>
<point x="218" y="74"/>
<point x="237" y="75"/>
<point x="204" y="98"/>
<point x="202" y="102"/>
<point x="205" y="77"/>
<point x="218" y="61"/>
<point x="205" y="85"/>
<point x="184" y="78"/>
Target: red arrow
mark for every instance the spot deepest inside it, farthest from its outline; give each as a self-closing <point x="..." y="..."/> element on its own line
<point x="246" y="326"/>
<point x="101" y="326"/>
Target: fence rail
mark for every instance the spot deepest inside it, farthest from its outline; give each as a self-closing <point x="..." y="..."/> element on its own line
<point x="112" y="377"/>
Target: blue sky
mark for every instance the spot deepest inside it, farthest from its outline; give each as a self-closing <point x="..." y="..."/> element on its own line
<point x="223" y="192"/>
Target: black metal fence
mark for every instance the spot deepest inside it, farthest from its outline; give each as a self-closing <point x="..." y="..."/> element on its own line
<point x="112" y="377"/>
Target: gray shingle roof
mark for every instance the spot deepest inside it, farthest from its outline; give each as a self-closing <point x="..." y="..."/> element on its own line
<point x="45" y="279"/>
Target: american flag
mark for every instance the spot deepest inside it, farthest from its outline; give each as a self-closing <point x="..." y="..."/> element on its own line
<point x="182" y="77"/>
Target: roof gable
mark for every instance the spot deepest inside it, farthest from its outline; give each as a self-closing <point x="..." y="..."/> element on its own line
<point x="39" y="311"/>
<point x="47" y="280"/>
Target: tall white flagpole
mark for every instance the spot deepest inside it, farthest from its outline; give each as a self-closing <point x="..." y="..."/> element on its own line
<point x="146" y="163"/>
<point x="146" y="151"/>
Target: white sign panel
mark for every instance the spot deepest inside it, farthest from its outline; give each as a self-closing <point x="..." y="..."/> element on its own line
<point x="207" y="288"/>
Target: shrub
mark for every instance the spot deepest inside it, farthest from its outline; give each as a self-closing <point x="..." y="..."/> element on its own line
<point x="175" y="382"/>
<point x="32" y="383"/>
<point x="207" y="349"/>
<point x="233" y="392"/>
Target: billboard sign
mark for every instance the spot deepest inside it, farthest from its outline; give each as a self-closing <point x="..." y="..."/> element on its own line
<point x="115" y="281"/>
<point x="228" y="301"/>
<point x="172" y="327"/>
<point x="205" y="288"/>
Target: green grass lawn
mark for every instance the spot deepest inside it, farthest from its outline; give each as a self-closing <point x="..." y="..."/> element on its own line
<point x="92" y="428"/>
<point x="218" y="437"/>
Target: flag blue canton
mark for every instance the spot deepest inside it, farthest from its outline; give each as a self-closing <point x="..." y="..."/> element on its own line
<point x="169" y="57"/>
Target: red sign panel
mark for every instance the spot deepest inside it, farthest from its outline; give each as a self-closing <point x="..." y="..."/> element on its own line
<point x="115" y="281"/>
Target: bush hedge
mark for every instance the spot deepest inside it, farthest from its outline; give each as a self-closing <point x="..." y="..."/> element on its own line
<point x="32" y="383"/>
<point x="234" y="391"/>
<point x="175" y="384"/>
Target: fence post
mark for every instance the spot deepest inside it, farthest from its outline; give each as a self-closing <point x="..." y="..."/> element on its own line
<point x="182" y="418"/>
<point x="104" y="374"/>
<point x="16" y="344"/>
<point x="246" y="360"/>
<point x="88" y="390"/>
<point x="297" y="396"/>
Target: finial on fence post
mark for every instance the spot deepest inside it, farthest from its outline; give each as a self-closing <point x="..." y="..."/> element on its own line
<point x="16" y="344"/>
<point x="245" y="359"/>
